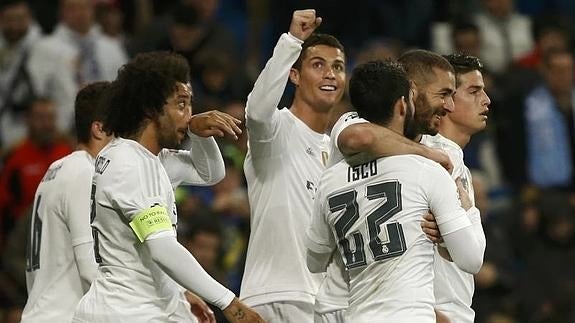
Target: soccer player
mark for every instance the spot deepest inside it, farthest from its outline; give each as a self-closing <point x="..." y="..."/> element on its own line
<point x="287" y="153"/>
<point x="373" y="212"/>
<point x="133" y="206"/>
<point x="454" y="287"/>
<point x="60" y="262"/>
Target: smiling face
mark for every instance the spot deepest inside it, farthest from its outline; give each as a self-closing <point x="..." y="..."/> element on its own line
<point x="433" y="102"/>
<point x="471" y="104"/>
<point x="320" y="81"/>
<point x="173" y="123"/>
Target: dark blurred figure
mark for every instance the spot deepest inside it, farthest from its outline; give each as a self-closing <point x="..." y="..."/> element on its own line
<point x="204" y="239"/>
<point x="27" y="162"/>
<point x="466" y="38"/>
<point x="218" y="81"/>
<point x="550" y="32"/>
<point x="18" y="32"/>
<point x="547" y="285"/>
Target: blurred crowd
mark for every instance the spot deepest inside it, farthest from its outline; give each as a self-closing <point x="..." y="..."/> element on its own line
<point x="523" y="165"/>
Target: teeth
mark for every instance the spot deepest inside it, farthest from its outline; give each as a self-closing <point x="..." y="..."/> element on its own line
<point x="328" y="88"/>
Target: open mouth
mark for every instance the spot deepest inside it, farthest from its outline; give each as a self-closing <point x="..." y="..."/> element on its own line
<point x="328" y="88"/>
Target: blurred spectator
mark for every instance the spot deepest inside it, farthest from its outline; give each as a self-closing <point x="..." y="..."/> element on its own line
<point x="505" y="34"/>
<point x="466" y="38"/>
<point x="204" y="240"/>
<point x="110" y="18"/>
<point x="234" y="151"/>
<point x="27" y="162"/>
<point x="549" y="33"/>
<point x="18" y="32"/>
<point x="550" y="123"/>
<point x="75" y="54"/>
<point x="547" y="287"/>
<point x="217" y="81"/>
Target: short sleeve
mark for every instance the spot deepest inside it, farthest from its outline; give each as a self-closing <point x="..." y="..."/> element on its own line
<point x="347" y="119"/>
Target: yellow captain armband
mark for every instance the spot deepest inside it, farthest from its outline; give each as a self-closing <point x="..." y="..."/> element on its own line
<point x="152" y="220"/>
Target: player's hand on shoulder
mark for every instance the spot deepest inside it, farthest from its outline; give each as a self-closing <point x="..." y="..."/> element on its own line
<point x="200" y="309"/>
<point x="240" y="313"/>
<point x="214" y="123"/>
<point x="440" y="157"/>
<point x="303" y="23"/>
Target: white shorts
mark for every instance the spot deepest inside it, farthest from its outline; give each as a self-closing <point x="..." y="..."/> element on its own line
<point x="329" y="317"/>
<point x="286" y="312"/>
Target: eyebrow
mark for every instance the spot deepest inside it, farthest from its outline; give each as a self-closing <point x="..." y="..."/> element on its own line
<point x="324" y="60"/>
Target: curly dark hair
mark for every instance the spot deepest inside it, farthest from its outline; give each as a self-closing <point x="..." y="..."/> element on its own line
<point x="90" y="106"/>
<point x="141" y="89"/>
<point x="374" y="88"/>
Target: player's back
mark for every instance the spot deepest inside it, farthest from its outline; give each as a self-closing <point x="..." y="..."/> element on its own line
<point x="128" y="179"/>
<point x="376" y="210"/>
<point x="53" y="279"/>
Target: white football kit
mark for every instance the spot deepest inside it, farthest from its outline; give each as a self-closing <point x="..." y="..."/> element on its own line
<point x="332" y="297"/>
<point x="453" y="287"/>
<point x="372" y="214"/>
<point x="130" y="286"/>
<point x="60" y="224"/>
<point x="284" y="162"/>
<point x="61" y="264"/>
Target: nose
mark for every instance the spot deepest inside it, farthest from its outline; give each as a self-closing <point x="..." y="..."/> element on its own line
<point x="448" y="103"/>
<point x="487" y="99"/>
<point x="329" y="73"/>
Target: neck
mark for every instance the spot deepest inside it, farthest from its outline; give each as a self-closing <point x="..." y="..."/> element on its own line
<point x="316" y="120"/>
<point x="148" y="137"/>
<point x="93" y="147"/>
<point x="454" y="134"/>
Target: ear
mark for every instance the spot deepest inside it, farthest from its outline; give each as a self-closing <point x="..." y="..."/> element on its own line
<point x="97" y="130"/>
<point x="294" y="76"/>
<point x="400" y="106"/>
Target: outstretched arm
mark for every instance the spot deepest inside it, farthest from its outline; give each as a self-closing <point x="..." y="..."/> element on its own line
<point x="374" y="141"/>
<point x="268" y="89"/>
<point x="181" y="266"/>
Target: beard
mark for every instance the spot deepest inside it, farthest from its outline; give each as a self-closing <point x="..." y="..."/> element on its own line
<point x="168" y="135"/>
<point x="422" y="122"/>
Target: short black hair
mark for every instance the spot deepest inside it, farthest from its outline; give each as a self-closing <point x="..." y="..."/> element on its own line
<point x="90" y="106"/>
<point x="315" y="40"/>
<point x="419" y="65"/>
<point x="463" y="64"/>
<point x="374" y="88"/>
<point x="141" y="89"/>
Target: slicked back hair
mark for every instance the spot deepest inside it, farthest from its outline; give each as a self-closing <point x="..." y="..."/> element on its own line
<point x="419" y="65"/>
<point x="375" y="87"/>
<point x="315" y="40"/>
<point x="90" y="106"/>
<point x="463" y="64"/>
<point x="141" y="89"/>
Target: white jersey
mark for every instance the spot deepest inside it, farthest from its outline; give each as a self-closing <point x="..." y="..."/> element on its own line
<point x="60" y="221"/>
<point x="453" y="287"/>
<point x="372" y="212"/>
<point x="284" y="162"/>
<point x="333" y="292"/>
<point x="130" y="286"/>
